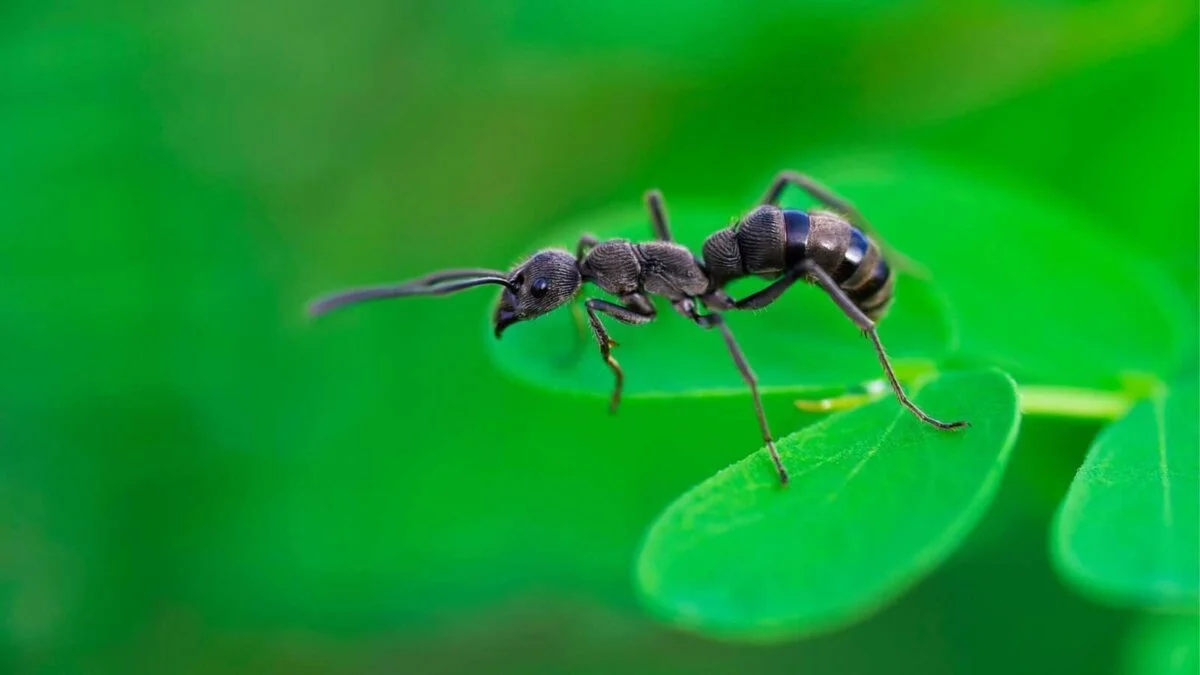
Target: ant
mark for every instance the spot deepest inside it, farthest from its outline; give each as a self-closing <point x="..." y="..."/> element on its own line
<point x="820" y="247"/>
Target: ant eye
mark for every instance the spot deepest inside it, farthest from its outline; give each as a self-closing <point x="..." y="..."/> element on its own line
<point x="539" y="287"/>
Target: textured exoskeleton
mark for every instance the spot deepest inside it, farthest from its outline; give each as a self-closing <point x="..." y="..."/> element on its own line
<point x="830" y="248"/>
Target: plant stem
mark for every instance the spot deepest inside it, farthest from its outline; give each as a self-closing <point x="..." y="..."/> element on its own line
<point x="1073" y="402"/>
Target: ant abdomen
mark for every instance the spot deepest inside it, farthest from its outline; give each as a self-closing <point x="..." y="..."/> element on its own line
<point x="853" y="259"/>
<point x="769" y="241"/>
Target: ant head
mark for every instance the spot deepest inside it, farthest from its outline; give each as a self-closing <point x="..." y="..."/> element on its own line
<point x="540" y="284"/>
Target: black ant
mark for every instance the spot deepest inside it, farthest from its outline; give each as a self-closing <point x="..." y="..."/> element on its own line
<point x="783" y="245"/>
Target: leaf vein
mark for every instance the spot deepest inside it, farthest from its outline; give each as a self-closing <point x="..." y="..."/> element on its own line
<point x="870" y="453"/>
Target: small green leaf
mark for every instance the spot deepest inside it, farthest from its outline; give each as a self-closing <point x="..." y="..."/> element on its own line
<point x="1129" y="528"/>
<point x="877" y="500"/>
<point x="802" y="342"/>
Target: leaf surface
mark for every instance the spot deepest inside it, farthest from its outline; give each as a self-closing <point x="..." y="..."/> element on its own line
<point x="876" y="501"/>
<point x="1129" y="528"/>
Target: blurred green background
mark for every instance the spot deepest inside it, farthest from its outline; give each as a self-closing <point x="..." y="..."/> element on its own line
<point x="195" y="479"/>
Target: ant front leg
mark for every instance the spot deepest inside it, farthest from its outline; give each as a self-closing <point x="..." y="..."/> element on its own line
<point x="637" y="310"/>
<point x="586" y="243"/>
<point x="841" y="205"/>
<point x="658" y="215"/>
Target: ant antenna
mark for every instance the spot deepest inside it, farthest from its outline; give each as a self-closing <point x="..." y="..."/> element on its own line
<point x="434" y="284"/>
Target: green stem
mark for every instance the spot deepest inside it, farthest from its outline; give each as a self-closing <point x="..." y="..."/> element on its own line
<point x="1073" y="402"/>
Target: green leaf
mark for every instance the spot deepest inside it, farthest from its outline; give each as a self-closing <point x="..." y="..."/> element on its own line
<point x="800" y="343"/>
<point x="876" y="501"/>
<point x="1129" y="528"/>
<point x="1024" y="273"/>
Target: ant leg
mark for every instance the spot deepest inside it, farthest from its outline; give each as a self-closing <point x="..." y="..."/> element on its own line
<point x="721" y="300"/>
<point x="771" y="293"/>
<point x="771" y="198"/>
<point x="586" y="242"/>
<point x="843" y="206"/>
<point x="658" y="215"/>
<point x="637" y="310"/>
<point x="868" y="327"/>
<point x="813" y="188"/>
<point x="715" y="320"/>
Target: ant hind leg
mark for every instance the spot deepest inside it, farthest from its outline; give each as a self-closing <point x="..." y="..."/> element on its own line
<point x="832" y="201"/>
<point x="868" y="328"/>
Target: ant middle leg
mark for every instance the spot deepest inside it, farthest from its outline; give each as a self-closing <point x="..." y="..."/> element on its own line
<point x="636" y="310"/>
<point x="658" y="215"/>
<point x="721" y="300"/>
<point x="715" y="320"/>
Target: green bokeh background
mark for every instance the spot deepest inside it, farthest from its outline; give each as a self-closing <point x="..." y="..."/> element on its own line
<point x="194" y="478"/>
